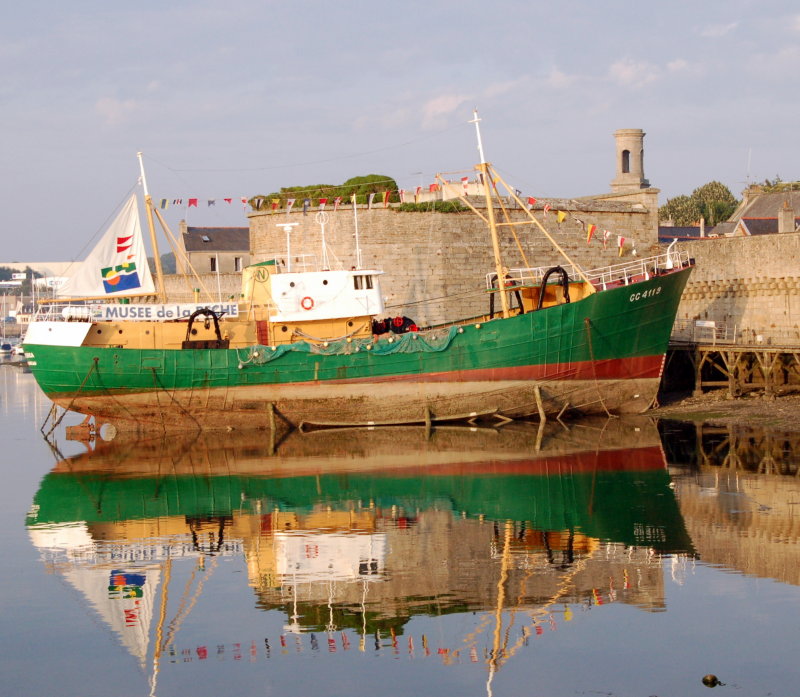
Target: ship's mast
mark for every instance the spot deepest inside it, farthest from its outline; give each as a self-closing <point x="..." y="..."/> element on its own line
<point x="485" y="174"/>
<point x="148" y="205"/>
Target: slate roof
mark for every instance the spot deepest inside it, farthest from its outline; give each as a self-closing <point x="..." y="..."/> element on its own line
<point x="763" y="226"/>
<point x="667" y="233"/>
<point x="763" y="205"/>
<point x="217" y="239"/>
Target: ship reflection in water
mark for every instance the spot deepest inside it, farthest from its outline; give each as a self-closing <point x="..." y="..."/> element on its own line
<point x="351" y="534"/>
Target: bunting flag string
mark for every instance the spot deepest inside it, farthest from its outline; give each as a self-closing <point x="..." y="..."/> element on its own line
<point x="404" y="196"/>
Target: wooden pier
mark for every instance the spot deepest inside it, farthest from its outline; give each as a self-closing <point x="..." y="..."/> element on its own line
<point x="740" y="367"/>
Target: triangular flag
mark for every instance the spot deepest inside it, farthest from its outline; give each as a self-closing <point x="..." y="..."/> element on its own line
<point x="531" y="201"/>
<point x="192" y="202"/>
<point x="386" y="199"/>
<point x="306" y="204"/>
<point x="336" y="202"/>
<point x="402" y="194"/>
<point x="417" y="192"/>
<point x="621" y="243"/>
<point x="177" y="202"/>
<point x="560" y="217"/>
<point x="353" y="200"/>
<point x="606" y="235"/>
<point x="433" y="187"/>
<point x="370" y="199"/>
<point x="546" y="208"/>
<point x="289" y="204"/>
<point x="227" y="200"/>
<point x="164" y="203"/>
<point x="322" y="203"/>
<point x="244" y="200"/>
<point x="275" y="203"/>
<point x="590" y="232"/>
<point x="212" y="202"/>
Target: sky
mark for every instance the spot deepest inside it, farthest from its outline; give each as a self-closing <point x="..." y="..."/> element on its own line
<point x="239" y="98"/>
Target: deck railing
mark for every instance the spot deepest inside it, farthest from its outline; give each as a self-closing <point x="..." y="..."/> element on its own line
<point x="602" y="277"/>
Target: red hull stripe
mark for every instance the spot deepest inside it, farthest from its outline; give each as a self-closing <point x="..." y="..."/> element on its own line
<point x="609" y="369"/>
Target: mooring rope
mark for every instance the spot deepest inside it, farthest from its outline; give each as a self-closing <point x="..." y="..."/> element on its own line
<point x="588" y="324"/>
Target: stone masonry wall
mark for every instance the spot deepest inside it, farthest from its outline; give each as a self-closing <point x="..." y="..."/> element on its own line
<point x="752" y="283"/>
<point x="181" y="290"/>
<point x="448" y="255"/>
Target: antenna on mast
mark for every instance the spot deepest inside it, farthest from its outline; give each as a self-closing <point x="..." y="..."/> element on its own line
<point x="148" y="207"/>
<point x="477" y="121"/>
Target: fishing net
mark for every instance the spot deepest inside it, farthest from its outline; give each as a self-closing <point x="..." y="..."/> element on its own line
<point x="412" y="342"/>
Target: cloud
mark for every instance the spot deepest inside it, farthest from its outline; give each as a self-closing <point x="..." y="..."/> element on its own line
<point x="715" y="31"/>
<point x="630" y="73"/>
<point x="436" y="111"/>
<point x="114" y="111"/>
<point x="498" y="89"/>
<point x="678" y="66"/>
<point x="559" y="80"/>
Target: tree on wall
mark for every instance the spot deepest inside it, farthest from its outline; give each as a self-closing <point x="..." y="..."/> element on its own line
<point x="713" y="202"/>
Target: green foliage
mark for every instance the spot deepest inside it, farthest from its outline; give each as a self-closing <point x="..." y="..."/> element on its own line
<point x="777" y="185"/>
<point x="451" y="206"/>
<point x="168" y="265"/>
<point x="25" y="288"/>
<point x="682" y="210"/>
<point x="713" y="202"/>
<point x="362" y="187"/>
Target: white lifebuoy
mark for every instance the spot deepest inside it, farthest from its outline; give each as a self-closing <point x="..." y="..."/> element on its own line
<point x="307" y="303"/>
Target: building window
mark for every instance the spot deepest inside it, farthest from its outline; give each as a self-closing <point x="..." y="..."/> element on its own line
<point x="237" y="263"/>
<point x="626" y="161"/>
<point x="213" y="261"/>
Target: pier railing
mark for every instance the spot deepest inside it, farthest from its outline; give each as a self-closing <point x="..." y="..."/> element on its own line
<point x="714" y="333"/>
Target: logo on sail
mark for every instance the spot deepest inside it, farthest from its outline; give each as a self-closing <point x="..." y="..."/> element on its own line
<point x="120" y="278"/>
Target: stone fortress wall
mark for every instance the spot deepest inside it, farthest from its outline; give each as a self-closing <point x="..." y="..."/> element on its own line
<point x="751" y="284"/>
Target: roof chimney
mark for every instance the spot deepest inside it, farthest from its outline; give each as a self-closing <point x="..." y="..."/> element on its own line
<point x="786" y="218"/>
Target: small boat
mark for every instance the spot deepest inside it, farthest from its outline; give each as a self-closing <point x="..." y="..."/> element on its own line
<point x="315" y="347"/>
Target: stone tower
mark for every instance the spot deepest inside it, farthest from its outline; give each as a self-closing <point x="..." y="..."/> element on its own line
<point x="630" y="161"/>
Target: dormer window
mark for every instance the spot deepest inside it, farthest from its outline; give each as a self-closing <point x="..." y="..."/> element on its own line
<point x="206" y="238"/>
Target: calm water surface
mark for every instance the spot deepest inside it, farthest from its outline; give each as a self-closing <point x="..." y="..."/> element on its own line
<point x="607" y="559"/>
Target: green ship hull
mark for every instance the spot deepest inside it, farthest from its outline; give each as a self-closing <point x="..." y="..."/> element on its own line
<point x="603" y="353"/>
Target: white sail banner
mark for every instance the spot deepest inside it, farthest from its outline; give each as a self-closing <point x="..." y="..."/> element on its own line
<point x="117" y="266"/>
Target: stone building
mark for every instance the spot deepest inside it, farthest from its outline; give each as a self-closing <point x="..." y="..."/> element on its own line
<point x="445" y="255"/>
<point x="216" y="249"/>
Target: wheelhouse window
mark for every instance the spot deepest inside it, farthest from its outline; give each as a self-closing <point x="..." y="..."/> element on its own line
<point x="362" y="282"/>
